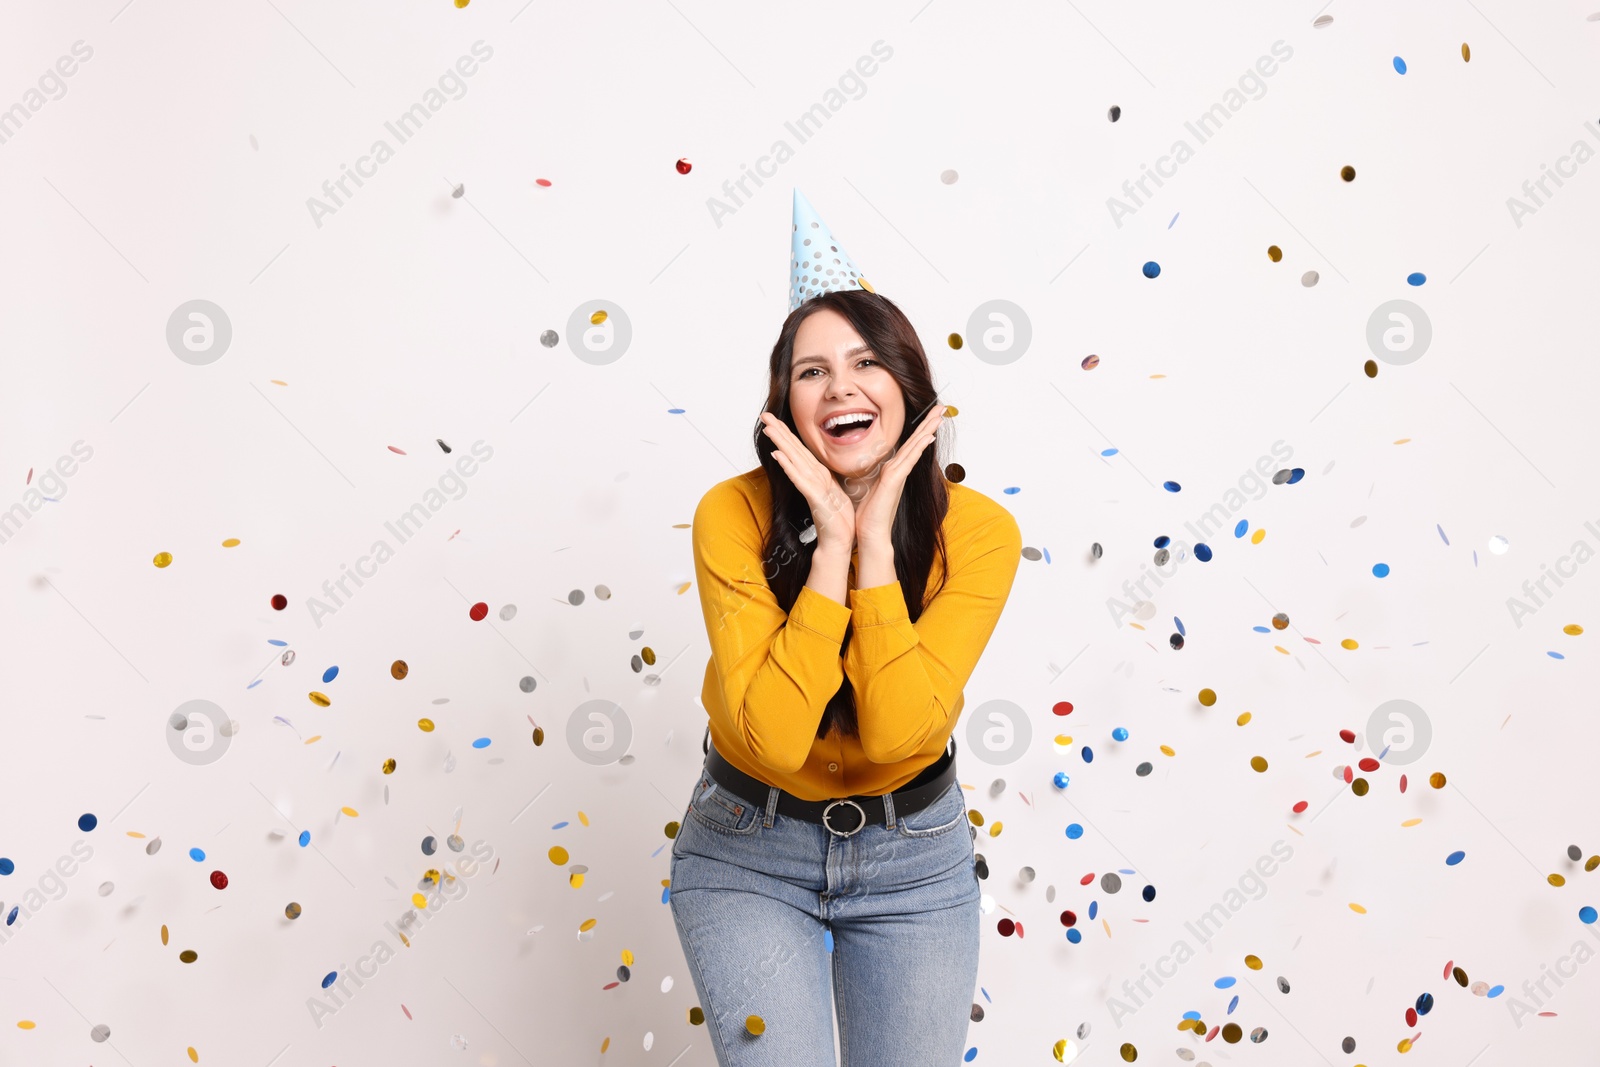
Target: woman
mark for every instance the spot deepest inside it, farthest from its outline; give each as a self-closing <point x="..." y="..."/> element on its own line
<point x="827" y="837"/>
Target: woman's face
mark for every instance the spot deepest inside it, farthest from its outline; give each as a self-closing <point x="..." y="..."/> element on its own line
<point x="834" y="372"/>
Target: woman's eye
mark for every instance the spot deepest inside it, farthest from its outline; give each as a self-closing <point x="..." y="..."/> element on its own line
<point x="808" y="370"/>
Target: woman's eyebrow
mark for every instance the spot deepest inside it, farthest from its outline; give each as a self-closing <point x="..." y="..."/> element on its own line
<point x="856" y="351"/>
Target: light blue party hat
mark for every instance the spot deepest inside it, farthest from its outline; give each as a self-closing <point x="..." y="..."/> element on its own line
<point x="817" y="262"/>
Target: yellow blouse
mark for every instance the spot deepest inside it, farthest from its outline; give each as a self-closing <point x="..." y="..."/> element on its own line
<point x="771" y="675"/>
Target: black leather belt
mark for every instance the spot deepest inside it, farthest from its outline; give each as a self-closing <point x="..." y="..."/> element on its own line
<point x="853" y="813"/>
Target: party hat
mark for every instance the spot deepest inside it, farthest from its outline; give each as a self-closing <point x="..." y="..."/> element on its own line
<point x="817" y="263"/>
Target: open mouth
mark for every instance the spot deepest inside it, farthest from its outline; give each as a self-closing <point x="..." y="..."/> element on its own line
<point x="852" y="429"/>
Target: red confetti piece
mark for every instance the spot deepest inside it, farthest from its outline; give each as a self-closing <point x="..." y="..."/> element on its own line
<point x="684" y="166"/>
<point x="406" y="1010"/>
<point x="1411" y="1016"/>
<point x="1448" y="966"/>
<point x="1086" y="879"/>
<point x="396" y="451"/>
<point x="219" y="879"/>
<point x="1349" y="775"/>
<point x="1367" y="763"/>
<point x="480" y="611"/>
<point x="1402" y="783"/>
<point x="1069" y="918"/>
<point x="279" y="601"/>
<point x="1019" y="930"/>
<point x="1301" y="806"/>
<point x="1006" y="926"/>
<point x="1063" y="708"/>
<point x="545" y="182"/>
<point x="609" y="985"/>
<point x="1348" y="736"/>
<point x="1215" y="1030"/>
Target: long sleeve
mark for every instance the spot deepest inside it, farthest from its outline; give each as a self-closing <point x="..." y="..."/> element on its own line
<point x="776" y="672"/>
<point x="908" y="677"/>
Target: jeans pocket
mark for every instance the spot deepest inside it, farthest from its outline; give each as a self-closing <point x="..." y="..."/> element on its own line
<point x="943" y="815"/>
<point x="715" y="808"/>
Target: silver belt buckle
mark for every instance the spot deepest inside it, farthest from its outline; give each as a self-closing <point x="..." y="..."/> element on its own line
<point x="853" y="804"/>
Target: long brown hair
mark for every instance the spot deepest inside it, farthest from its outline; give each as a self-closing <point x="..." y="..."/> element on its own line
<point x="918" y="525"/>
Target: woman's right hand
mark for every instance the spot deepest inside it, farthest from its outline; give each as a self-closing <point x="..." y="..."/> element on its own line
<point x="832" y="511"/>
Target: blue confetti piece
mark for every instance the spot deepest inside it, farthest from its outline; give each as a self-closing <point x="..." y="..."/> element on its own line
<point x="1261" y="629"/>
<point x="1088" y="754"/>
<point x="1234" y="1003"/>
<point x="1120" y="733"/>
<point x="1163" y="541"/>
<point x="827" y="940"/>
<point x="1074" y="831"/>
<point x="1174" y="219"/>
<point x="1202" y="552"/>
<point x="1296" y="474"/>
<point x="1416" y="278"/>
<point x="305" y="838"/>
<point x="675" y="411"/>
<point x="1094" y="908"/>
<point x="1171" y="487"/>
<point x="1149" y="893"/>
<point x="971" y="1054"/>
<point x="1424" y="1003"/>
<point x="1046" y="552"/>
<point x="1152" y="269"/>
<point x="1179" y="623"/>
<point x="1454" y="858"/>
<point x="7" y="865"/>
<point x="1191" y="1015"/>
<point x="275" y="641"/>
<point x="1011" y="490"/>
<point x="1225" y="982"/>
<point x="1108" y="451"/>
<point x="329" y="979"/>
<point x="253" y="684"/>
<point x="1474" y="557"/>
<point x="1124" y="870"/>
<point x="197" y="854"/>
<point x="666" y="894"/>
<point x="1073" y="935"/>
<point x="87" y="823"/>
<point x="1380" y="570"/>
<point x="1587" y="915"/>
<point x="1555" y="655"/>
<point x="1495" y="991"/>
<point x="985" y="993"/>
<point x="482" y="742"/>
<point x="1399" y="65"/>
<point x="1061" y="780"/>
<point x="1240" y="527"/>
<point x="562" y="824"/>
<point x="330" y="674"/>
<point x="1442" y="537"/>
<point x="12" y="916"/>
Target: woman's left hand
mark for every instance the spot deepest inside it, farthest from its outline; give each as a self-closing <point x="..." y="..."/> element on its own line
<point x="875" y="512"/>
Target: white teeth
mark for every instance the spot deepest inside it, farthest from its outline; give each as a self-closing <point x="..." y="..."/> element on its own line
<point x="840" y="420"/>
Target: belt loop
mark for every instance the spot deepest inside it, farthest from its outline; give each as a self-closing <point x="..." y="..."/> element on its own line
<point x="888" y="811"/>
<point x="772" y="806"/>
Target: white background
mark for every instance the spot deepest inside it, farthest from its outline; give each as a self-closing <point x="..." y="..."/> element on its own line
<point x="409" y="316"/>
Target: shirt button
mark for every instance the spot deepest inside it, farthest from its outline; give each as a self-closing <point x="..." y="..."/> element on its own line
<point x="833" y="766"/>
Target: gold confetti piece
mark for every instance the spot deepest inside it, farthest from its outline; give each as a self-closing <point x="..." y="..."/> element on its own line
<point x="1404" y="1045"/>
<point x="313" y="737"/>
<point x="1436" y="779"/>
<point x="1274" y="253"/>
<point x="954" y="340"/>
<point x="188" y="955"/>
<point x="1063" y="740"/>
<point x="1280" y="648"/>
<point x="575" y="879"/>
<point x="398" y="669"/>
<point x="277" y="381"/>
<point x="684" y="588"/>
<point x="607" y="1042"/>
<point x="431" y="875"/>
<point x="1294" y="828"/>
<point x="388" y="765"/>
<point x="1243" y="718"/>
<point x="994" y="831"/>
<point x="865" y="285"/>
<point x="974" y="816"/>
<point x="1318" y="752"/>
<point x="538" y="735"/>
<point x="558" y="855"/>
<point x="1167" y="750"/>
<point x="1257" y="537"/>
<point x="671" y="830"/>
<point x="1572" y="629"/>
<point x="232" y="542"/>
<point x="1258" y="763"/>
<point x="418" y="900"/>
<point x="697" y="1016"/>
<point x="352" y="812"/>
<point x="1106" y="925"/>
<point x="951" y="411"/>
<point x="588" y="924"/>
<point x="1594" y="861"/>
<point x="1358" y="909"/>
<point x="1403" y="440"/>
<point x="1158" y="375"/>
<point x="193" y="1055"/>
<point x="598" y="317"/>
<point x="1466" y="53"/>
<point x="163" y="933"/>
<point x="162" y="559"/>
<point x="1208" y="697"/>
<point x="1349" y="642"/>
<point x="755" y="1024"/>
<point x="1253" y="962"/>
<point x="1411" y="822"/>
<point x="319" y="699"/>
<point x="25" y="1024"/>
<point x="425" y="725"/>
<point x="648" y="654"/>
<point x="583" y="818"/>
<point x="627" y="958"/>
<point x="1556" y="880"/>
<point x="1135" y="625"/>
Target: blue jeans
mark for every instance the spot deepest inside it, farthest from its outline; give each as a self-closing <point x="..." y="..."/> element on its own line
<point x="752" y="892"/>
